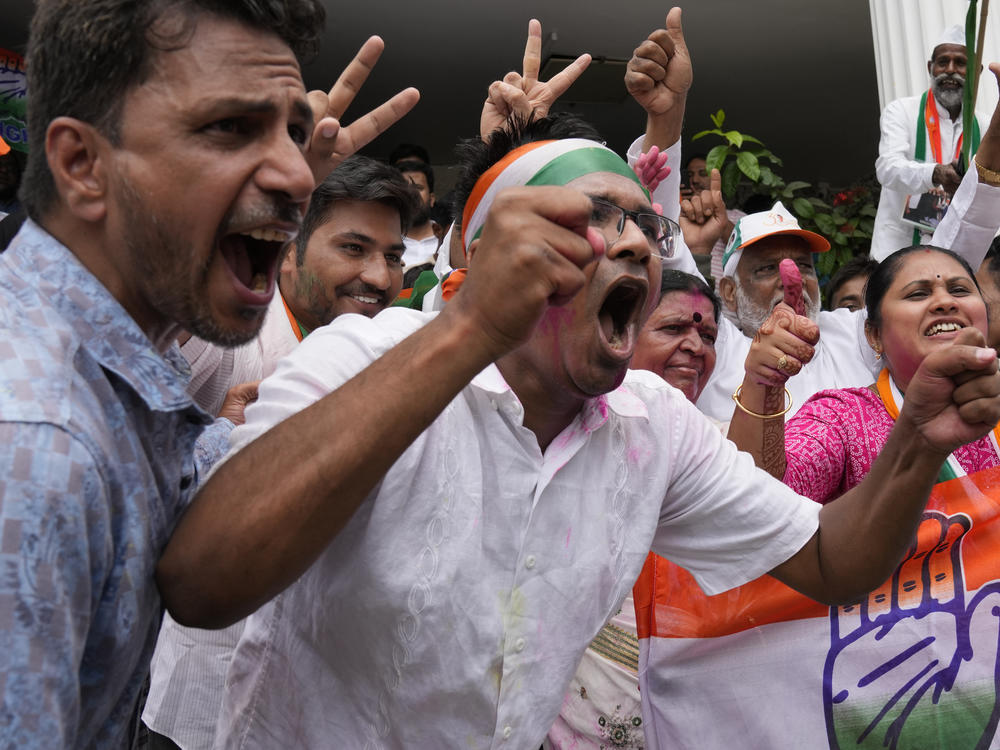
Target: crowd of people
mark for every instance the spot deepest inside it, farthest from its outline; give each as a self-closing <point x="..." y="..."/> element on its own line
<point x="256" y="494"/>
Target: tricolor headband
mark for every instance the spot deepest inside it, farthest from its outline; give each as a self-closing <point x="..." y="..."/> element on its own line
<point x="539" y="163"/>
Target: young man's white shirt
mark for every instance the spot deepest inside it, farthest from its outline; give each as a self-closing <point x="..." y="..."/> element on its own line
<point x="455" y="605"/>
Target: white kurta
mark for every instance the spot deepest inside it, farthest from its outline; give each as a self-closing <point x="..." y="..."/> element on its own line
<point x="453" y="608"/>
<point x="900" y="174"/>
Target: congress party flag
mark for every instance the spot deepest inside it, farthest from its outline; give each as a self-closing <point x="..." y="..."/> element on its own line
<point x="916" y="664"/>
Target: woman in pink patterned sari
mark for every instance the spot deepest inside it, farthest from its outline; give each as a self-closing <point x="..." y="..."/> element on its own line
<point x="919" y="299"/>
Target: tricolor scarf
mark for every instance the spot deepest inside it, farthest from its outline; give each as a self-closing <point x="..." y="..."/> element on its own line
<point x="929" y="129"/>
<point x="297" y="328"/>
<point x="539" y="163"/>
<point x="893" y="401"/>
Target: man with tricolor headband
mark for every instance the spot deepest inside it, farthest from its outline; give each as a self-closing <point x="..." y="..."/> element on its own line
<point x="922" y="137"/>
<point x="461" y="499"/>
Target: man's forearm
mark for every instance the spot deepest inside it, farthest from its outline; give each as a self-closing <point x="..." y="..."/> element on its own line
<point x="262" y="520"/>
<point x="865" y="533"/>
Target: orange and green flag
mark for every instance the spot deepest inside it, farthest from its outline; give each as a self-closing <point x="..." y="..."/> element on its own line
<point x="916" y="664"/>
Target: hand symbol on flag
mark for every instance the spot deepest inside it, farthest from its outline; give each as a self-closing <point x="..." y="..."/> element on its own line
<point x="914" y="665"/>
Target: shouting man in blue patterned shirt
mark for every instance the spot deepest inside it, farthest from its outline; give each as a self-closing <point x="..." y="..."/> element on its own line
<point x="174" y="154"/>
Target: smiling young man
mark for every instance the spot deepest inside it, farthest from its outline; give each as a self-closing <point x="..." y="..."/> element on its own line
<point x="347" y="258"/>
<point x="170" y="166"/>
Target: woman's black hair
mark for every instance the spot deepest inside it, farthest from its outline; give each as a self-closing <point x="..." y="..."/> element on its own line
<point x="678" y="281"/>
<point x="887" y="271"/>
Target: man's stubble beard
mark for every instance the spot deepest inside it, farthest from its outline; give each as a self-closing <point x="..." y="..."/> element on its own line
<point x="422" y="216"/>
<point x="175" y="285"/>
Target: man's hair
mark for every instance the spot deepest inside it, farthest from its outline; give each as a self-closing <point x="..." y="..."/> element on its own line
<point x="860" y="265"/>
<point x="86" y="55"/>
<point x="476" y="156"/>
<point x="441" y="211"/>
<point x="887" y="271"/>
<point x="993" y="256"/>
<point x="409" y="151"/>
<point x="697" y="155"/>
<point x="417" y="166"/>
<point x="679" y="281"/>
<point x="357" y="179"/>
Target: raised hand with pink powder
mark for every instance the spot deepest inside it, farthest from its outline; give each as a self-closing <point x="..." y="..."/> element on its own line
<point x="791" y="281"/>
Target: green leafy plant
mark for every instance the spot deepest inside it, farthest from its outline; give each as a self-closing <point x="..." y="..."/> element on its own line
<point x="845" y="216"/>
<point x="739" y="154"/>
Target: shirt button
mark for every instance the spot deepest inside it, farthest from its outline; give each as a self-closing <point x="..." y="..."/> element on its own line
<point x="529" y="562"/>
<point x="519" y="645"/>
<point x="507" y="732"/>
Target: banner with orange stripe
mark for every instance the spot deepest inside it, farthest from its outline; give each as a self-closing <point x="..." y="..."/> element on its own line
<point x="914" y="665"/>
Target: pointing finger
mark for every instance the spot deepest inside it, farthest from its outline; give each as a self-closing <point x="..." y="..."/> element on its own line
<point x="565" y="78"/>
<point x="354" y="76"/>
<point x="532" y="53"/>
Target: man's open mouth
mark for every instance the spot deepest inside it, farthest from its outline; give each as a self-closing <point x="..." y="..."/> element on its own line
<point x="252" y="257"/>
<point x="619" y="316"/>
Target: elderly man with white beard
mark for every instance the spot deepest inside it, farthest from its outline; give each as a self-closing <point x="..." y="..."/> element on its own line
<point x="921" y="139"/>
<point x="751" y="287"/>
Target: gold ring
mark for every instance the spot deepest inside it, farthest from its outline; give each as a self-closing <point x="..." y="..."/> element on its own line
<point x="782" y="362"/>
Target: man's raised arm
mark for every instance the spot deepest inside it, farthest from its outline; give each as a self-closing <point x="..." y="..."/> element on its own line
<point x="270" y="510"/>
<point x="523" y="94"/>
<point x="658" y="77"/>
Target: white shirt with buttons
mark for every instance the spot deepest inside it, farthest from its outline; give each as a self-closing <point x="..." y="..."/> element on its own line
<point x="453" y="608"/>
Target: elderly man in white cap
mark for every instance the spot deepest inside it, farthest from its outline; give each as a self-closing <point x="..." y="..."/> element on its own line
<point x="921" y="140"/>
<point x="750" y="288"/>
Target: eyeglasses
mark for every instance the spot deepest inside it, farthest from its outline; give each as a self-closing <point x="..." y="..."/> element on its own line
<point x="609" y="220"/>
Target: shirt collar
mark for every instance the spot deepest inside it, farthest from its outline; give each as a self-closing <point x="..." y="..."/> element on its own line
<point x="622" y="401"/>
<point x="100" y="323"/>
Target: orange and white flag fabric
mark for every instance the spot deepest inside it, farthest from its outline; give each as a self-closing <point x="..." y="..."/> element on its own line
<point x="916" y="664"/>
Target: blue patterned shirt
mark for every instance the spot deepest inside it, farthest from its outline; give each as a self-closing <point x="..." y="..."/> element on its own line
<point x="97" y="461"/>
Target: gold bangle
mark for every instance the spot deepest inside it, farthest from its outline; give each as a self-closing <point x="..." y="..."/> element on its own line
<point x="987" y="175"/>
<point x="739" y="392"/>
